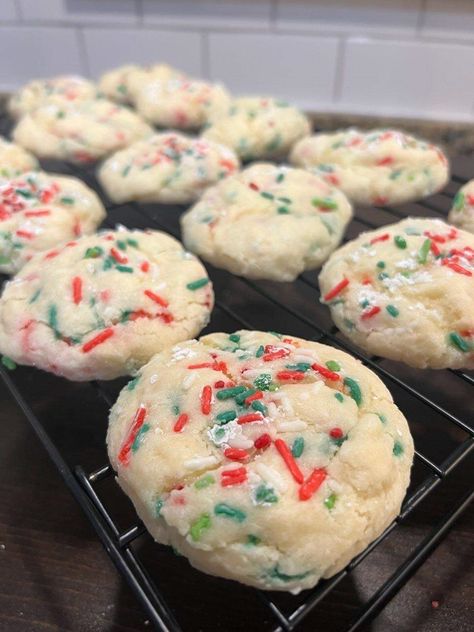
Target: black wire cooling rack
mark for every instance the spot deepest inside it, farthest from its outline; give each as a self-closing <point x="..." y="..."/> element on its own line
<point x="436" y="403"/>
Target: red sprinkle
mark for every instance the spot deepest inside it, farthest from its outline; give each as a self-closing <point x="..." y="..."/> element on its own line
<point x="181" y="422"/>
<point x="369" y="313"/>
<point x="145" y="266"/>
<point x="215" y="366"/>
<point x="98" y="340"/>
<point x="219" y="384"/>
<point x="312" y="483"/>
<point x="236" y="454"/>
<point x="253" y="186"/>
<point x="263" y="441"/>
<point x="25" y="233"/>
<point x="117" y="256"/>
<point x="367" y="281"/>
<point x="124" y="454"/>
<point x="235" y="476"/>
<point x="384" y="161"/>
<point x="252" y="398"/>
<point x="206" y="397"/>
<point x="77" y="290"/>
<point x="434" y="249"/>
<point x="249" y="418"/>
<point x="290" y="462"/>
<point x="336" y="433"/>
<point x="455" y="267"/>
<point x="326" y="373"/>
<point x="51" y="254"/>
<point x="337" y="289"/>
<point x="383" y="237"/>
<point x="37" y="213"/>
<point x="274" y="353"/>
<point x="155" y="297"/>
<point x="290" y="376"/>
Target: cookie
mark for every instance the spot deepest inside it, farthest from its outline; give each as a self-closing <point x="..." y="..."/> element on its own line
<point x="82" y="132"/>
<point x="103" y="305"/>
<point x="168" y="168"/>
<point x="15" y="160"/>
<point x="267" y="222"/>
<point x="177" y="101"/>
<point x="248" y="453"/>
<point x="62" y="89"/>
<point x="379" y="167"/>
<point x="41" y="210"/>
<point x="114" y="83"/>
<point x="258" y="128"/>
<point x="406" y="292"/>
<point x="462" y="213"/>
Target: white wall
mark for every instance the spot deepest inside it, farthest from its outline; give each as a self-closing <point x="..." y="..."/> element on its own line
<point x="395" y="57"/>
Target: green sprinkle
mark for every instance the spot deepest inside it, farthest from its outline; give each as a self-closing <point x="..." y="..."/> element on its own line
<point x="122" y="88"/>
<point x="297" y="447"/>
<point x="283" y="210"/>
<point x="24" y="193"/>
<point x="458" y="341"/>
<point x="228" y="393"/>
<point x="382" y="418"/>
<point x="280" y="177"/>
<point x="256" y="405"/>
<point x="267" y="196"/>
<point x="365" y="303"/>
<point x="8" y="363"/>
<point x="234" y="338"/>
<point x="199" y="526"/>
<point x="286" y="200"/>
<point x="94" y="252"/>
<point x="196" y="285"/>
<point x="424" y="250"/>
<point x="241" y="397"/>
<point x="339" y="397"/>
<point x="381" y="264"/>
<point x="205" y="481"/>
<point x="53" y="319"/>
<point x="392" y="310"/>
<point x="330" y="501"/>
<point x="124" y="269"/>
<point x="299" y="366"/>
<point x="35" y="296"/>
<point x="332" y="365"/>
<point x="66" y="200"/>
<point x="260" y="351"/>
<point x="263" y="381"/>
<point x="265" y="495"/>
<point x="253" y="540"/>
<point x="121" y="245"/>
<point x="225" y="417"/>
<point x="400" y="242"/>
<point x="326" y="202"/>
<point x="354" y="390"/>
<point x="126" y="170"/>
<point x="397" y="449"/>
<point x="395" y="174"/>
<point x="382" y="276"/>
<point x="175" y="409"/>
<point x="139" y="438"/>
<point x="158" y="506"/>
<point x="458" y="201"/>
<point x="221" y="509"/>
<point x="275" y="573"/>
<point x="108" y="263"/>
<point x="132" y="384"/>
<point x="132" y="242"/>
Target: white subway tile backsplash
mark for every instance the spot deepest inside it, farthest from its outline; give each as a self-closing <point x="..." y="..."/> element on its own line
<point x="452" y="19"/>
<point x="393" y="77"/>
<point x="208" y="13"/>
<point x="8" y="10"/>
<point x="81" y="11"/>
<point x="357" y="16"/>
<point x="294" y="67"/>
<point x="108" y="48"/>
<point x="37" y="52"/>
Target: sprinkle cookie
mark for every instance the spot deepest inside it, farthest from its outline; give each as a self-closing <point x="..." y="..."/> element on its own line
<point x="63" y="89"/>
<point x="406" y="292"/>
<point x="177" y="101"/>
<point x="15" y="160"/>
<point x="267" y="222"/>
<point x="101" y="306"/>
<point x="168" y="168"/>
<point x="258" y="128"/>
<point x="83" y="132"/>
<point x="379" y="167"/>
<point x="41" y="210"/>
<point x="248" y="453"/>
<point x="462" y="213"/>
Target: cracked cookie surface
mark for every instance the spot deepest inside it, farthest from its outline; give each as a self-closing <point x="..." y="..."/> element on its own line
<point x="101" y="306"/>
<point x="262" y="458"/>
